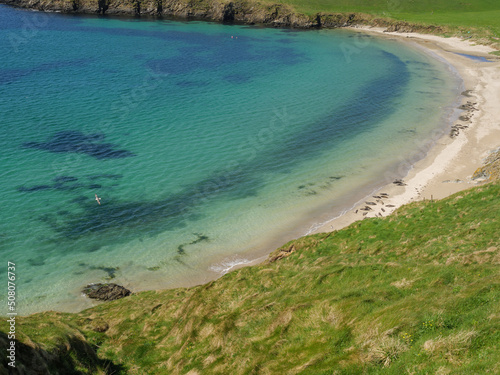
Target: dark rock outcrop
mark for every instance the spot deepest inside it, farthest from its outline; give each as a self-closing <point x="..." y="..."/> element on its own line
<point x="405" y="27"/>
<point x="336" y="20"/>
<point x="103" y="6"/>
<point x="106" y="292"/>
<point x="137" y="7"/>
<point x="491" y="168"/>
<point x="229" y="13"/>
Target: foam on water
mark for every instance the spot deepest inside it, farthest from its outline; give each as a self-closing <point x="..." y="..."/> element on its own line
<point x="208" y="151"/>
<point x="229" y="264"/>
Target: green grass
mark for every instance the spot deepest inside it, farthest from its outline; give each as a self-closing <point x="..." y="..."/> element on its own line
<point x="422" y="9"/>
<point x="362" y="6"/>
<point x="416" y="292"/>
<point x="480" y="17"/>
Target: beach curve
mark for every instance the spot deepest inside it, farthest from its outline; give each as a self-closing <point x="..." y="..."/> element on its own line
<point x="448" y="166"/>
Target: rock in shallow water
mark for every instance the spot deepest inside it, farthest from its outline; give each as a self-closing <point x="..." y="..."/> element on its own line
<point x="106" y="292"/>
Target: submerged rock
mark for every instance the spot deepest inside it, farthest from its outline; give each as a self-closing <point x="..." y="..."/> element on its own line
<point x="106" y="292"/>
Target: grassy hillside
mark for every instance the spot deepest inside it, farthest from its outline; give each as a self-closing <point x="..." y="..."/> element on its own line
<point x="417" y="292"/>
<point x="473" y="13"/>
<point x="479" y="16"/>
<point x="393" y="6"/>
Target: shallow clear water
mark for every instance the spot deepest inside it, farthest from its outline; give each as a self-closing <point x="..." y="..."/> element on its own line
<point x="209" y="144"/>
<point x="473" y="57"/>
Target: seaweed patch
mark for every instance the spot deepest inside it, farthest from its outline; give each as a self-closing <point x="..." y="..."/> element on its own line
<point x="80" y="200"/>
<point x="31" y="189"/>
<point x="111" y="271"/>
<point x="180" y="249"/>
<point x="62" y="183"/>
<point x="201" y="238"/>
<point x="63" y="179"/>
<point x="105" y="176"/>
<point x="36" y="262"/>
<point x="72" y="141"/>
<point x="56" y="186"/>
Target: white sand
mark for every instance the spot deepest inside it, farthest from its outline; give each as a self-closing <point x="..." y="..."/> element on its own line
<point x="448" y="166"/>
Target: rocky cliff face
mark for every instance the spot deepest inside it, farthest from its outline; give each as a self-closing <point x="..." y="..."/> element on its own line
<point x="239" y="11"/>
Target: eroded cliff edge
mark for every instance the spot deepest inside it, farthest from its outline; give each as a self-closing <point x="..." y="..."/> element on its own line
<point x="239" y="11"/>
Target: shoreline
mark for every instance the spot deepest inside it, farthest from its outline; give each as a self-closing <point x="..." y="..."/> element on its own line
<point x="445" y="160"/>
<point x="447" y="167"/>
<point x="445" y="164"/>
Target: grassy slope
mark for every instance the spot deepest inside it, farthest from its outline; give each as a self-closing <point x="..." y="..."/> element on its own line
<point x="478" y="16"/>
<point x="417" y="291"/>
<point x="478" y="12"/>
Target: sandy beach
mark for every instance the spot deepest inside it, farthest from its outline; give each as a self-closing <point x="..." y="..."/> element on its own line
<point x="448" y="166"/>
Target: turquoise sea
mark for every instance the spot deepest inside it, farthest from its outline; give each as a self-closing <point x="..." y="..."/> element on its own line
<point x="209" y="145"/>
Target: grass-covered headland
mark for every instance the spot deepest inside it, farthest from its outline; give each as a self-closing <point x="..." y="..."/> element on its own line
<point x="478" y="19"/>
<point x="416" y="292"/>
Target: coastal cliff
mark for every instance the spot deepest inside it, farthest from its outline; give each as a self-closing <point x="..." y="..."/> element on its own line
<point x="239" y="11"/>
<point x="243" y="11"/>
